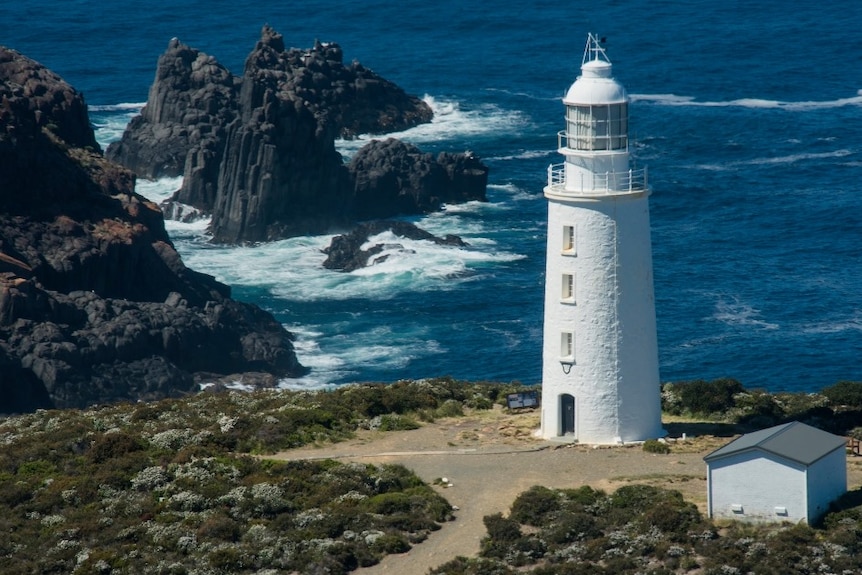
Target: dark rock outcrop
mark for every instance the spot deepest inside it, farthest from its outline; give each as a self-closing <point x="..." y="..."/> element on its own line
<point x="392" y="177"/>
<point x="95" y="303"/>
<point x="345" y="252"/>
<point x="280" y="174"/>
<point x="352" y="97"/>
<point x="260" y="150"/>
<point x="192" y="99"/>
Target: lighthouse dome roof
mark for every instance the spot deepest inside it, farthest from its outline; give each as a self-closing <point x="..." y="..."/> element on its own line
<point x="596" y="85"/>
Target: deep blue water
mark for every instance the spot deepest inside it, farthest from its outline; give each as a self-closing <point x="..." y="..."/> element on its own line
<point x="748" y="114"/>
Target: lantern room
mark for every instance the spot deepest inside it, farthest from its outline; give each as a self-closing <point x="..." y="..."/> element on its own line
<point x="596" y="106"/>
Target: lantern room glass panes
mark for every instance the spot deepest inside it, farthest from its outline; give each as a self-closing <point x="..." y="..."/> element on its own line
<point x="600" y="127"/>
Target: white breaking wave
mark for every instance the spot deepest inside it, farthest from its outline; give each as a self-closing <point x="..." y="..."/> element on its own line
<point x="526" y="95"/>
<point x="788" y="159"/>
<point x="123" y="107"/>
<point x="337" y="357"/>
<point x="110" y="121"/>
<point x="292" y="269"/>
<point x="517" y="193"/>
<point x="158" y="190"/>
<point x="526" y="155"/>
<point x="449" y="122"/>
<point x="674" y="100"/>
<point x="737" y="313"/>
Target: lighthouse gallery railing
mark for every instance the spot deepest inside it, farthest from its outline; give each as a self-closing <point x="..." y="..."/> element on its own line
<point x="608" y="182"/>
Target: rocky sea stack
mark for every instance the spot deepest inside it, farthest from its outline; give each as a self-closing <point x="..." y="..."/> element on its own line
<point x="257" y="152"/>
<point x="95" y="303"/>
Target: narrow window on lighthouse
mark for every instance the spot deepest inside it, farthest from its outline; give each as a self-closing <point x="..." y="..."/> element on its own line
<point x="568" y="291"/>
<point x="567" y="346"/>
<point x="569" y="240"/>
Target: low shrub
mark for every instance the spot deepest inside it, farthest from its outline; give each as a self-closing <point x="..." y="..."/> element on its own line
<point x="502" y="529"/>
<point x="700" y="397"/>
<point x="395" y="422"/>
<point x="656" y="446"/>
<point x="113" y="445"/>
<point x="389" y="503"/>
<point x="221" y="528"/>
<point x="450" y="408"/>
<point x="391" y="544"/>
<point x="844" y="394"/>
<point x="532" y="506"/>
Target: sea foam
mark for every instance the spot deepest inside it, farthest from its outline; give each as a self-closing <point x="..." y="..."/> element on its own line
<point x="675" y="100"/>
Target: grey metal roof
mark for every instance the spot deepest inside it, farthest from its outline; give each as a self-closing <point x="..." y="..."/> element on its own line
<point x="795" y="441"/>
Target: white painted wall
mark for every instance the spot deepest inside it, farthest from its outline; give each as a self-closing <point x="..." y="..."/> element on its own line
<point x="759" y="482"/>
<point x="615" y="378"/>
<point x="827" y="481"/>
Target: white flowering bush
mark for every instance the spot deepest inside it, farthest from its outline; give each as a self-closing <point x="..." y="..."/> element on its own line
<point x="173" y="438"/>
<point x="150" y="478"/>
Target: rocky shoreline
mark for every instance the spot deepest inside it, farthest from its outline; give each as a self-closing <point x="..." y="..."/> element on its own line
<point x="96" y="305"/>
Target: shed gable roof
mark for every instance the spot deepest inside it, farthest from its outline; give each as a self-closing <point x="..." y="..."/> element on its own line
<point x="795" y="441"/>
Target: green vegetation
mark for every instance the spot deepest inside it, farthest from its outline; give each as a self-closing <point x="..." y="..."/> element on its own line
<point x="837" y="409"/>
<point x="178" y="487"/>
<point x="172" y="487"/>
<point x="641" y="529"/>
<point x="656" y="446"/>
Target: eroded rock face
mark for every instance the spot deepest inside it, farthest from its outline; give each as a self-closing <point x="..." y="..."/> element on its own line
<point x="95" y="303"/>
<point x="191" y="100"/>
<point x="352" y="97"/>
<point x="280" y="175"/>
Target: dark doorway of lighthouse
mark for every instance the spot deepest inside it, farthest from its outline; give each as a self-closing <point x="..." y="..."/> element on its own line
<point x="567" y="412"/>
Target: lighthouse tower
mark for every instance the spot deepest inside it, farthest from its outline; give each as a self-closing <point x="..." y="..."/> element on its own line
<point x="600" y="380"/>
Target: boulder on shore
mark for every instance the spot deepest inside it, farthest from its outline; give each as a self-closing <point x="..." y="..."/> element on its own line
<point x="96" y="305"/>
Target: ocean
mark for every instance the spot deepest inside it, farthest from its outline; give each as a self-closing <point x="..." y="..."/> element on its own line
<point x="747" y="114"/>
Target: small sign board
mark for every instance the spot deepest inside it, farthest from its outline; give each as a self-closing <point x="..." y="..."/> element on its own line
<point x="520" y="400"/>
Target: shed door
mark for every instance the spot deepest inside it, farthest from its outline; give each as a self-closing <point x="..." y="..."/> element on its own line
<point x="567" y="412"/>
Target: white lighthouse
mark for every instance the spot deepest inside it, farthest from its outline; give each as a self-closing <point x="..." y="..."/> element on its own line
<point x="600" y="380"/>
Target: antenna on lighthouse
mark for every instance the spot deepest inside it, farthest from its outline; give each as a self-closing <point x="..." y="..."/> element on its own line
<point x="594" y="50"/>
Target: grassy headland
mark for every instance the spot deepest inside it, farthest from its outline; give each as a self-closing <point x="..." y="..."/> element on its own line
<point x="176" y="487"/>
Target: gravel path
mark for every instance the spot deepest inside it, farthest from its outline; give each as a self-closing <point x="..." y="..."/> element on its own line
<point x="491" y="457"/>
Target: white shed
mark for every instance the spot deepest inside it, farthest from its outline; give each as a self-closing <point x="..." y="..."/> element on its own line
<point x="790" y="472"/>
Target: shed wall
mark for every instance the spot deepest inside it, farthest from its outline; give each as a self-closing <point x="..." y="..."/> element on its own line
<point x="827" y="481"/>
<point x="759" y="483"/>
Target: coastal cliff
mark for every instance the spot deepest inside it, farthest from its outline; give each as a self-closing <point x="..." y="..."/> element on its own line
<point x="95" y="303"/>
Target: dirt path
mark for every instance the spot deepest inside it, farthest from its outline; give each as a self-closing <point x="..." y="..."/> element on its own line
<point x="491" y="457"/>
